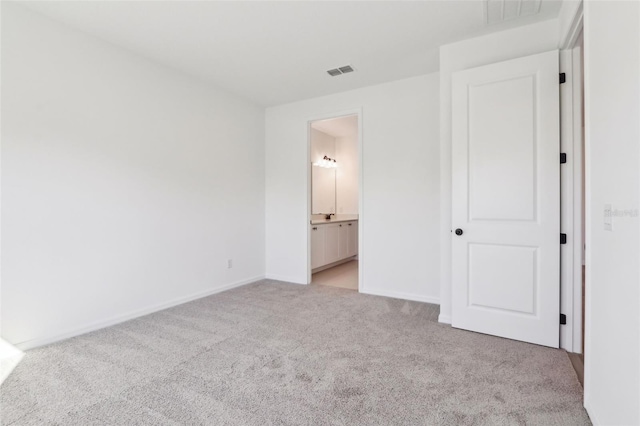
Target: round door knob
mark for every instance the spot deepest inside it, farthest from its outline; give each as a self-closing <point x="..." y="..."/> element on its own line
<point x="458" y="231"/>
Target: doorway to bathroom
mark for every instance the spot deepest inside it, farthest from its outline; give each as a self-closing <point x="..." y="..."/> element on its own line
<point x="334" y="221"/>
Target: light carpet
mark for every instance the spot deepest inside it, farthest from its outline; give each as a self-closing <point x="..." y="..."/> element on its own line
<point x="272" y="353"/>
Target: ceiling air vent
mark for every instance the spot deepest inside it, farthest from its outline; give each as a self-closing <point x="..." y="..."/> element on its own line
<point x="496" y="11"/>
<point x="340" y="70"/>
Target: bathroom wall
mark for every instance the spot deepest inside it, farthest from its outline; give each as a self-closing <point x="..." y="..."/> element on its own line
<point x="322" y="144"/>
<point x="347" y="174"/>
<point x="323" y="180"/>
<point x="345" y="178"/>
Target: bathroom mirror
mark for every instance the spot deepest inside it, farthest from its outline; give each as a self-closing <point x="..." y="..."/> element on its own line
<point x="323" y="190"/>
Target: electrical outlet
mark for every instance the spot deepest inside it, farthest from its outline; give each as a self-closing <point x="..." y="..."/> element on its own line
<point x="229" y="263"/>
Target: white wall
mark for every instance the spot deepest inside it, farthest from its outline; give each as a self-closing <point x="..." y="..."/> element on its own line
<point x="400" y="248"/>
<point x="501" y="46"/>
<point x="323" y="191"/>
<point x="125" y="185"/>
<point x="322" y="144"/>
<point x="612" y="95"/>
<point x="347" y="174"/>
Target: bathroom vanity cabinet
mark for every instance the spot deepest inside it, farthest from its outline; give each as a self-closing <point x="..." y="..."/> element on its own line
<point x="332" y="242"/>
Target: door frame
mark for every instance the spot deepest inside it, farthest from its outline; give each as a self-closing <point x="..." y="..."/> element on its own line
<point x="571" y="202"/>
<point x="327" y="116"/>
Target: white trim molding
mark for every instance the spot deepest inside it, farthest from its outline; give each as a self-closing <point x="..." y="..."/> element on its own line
<point x="97" y="325"/>
<point x="568" y="186"/>
<point x="571" y="143"/>
<point x="571" y="17"/>
<point x="284" y="279"/>
<point x="444" y="319"/>
<point x="592" y="415"/>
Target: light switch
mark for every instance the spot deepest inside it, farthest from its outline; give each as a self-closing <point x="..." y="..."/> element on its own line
<point x="608" y="217"/>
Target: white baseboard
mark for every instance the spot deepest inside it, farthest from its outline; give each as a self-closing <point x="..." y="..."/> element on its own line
<point x="400" y="295"/>
<point x="97" y="325"/>
<point x="331" y="265"/>
<point x="444" y="319"/>
<point x="592" y="416"/>
<point x="10" y="357"/>
<point x="285" y="279"/>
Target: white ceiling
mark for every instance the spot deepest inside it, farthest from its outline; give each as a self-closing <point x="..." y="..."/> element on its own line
<point x="338" y="127"/>
<point x="274" y="52"/>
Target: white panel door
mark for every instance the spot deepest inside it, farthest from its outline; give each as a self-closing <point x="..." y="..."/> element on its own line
<point x="506" y="199"/>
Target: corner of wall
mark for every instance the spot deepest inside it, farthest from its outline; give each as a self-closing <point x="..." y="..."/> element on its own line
<point x="444" y="319"/>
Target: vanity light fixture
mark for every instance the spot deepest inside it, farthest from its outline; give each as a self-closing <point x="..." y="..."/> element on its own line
<point x="326" y="162"/>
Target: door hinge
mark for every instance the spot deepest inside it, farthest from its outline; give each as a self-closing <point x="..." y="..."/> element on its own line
<point x="563" y="319"/>
<point x="563" y="158"/>
<point x="563" y="238"/>
<point x="563" y="77"/>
